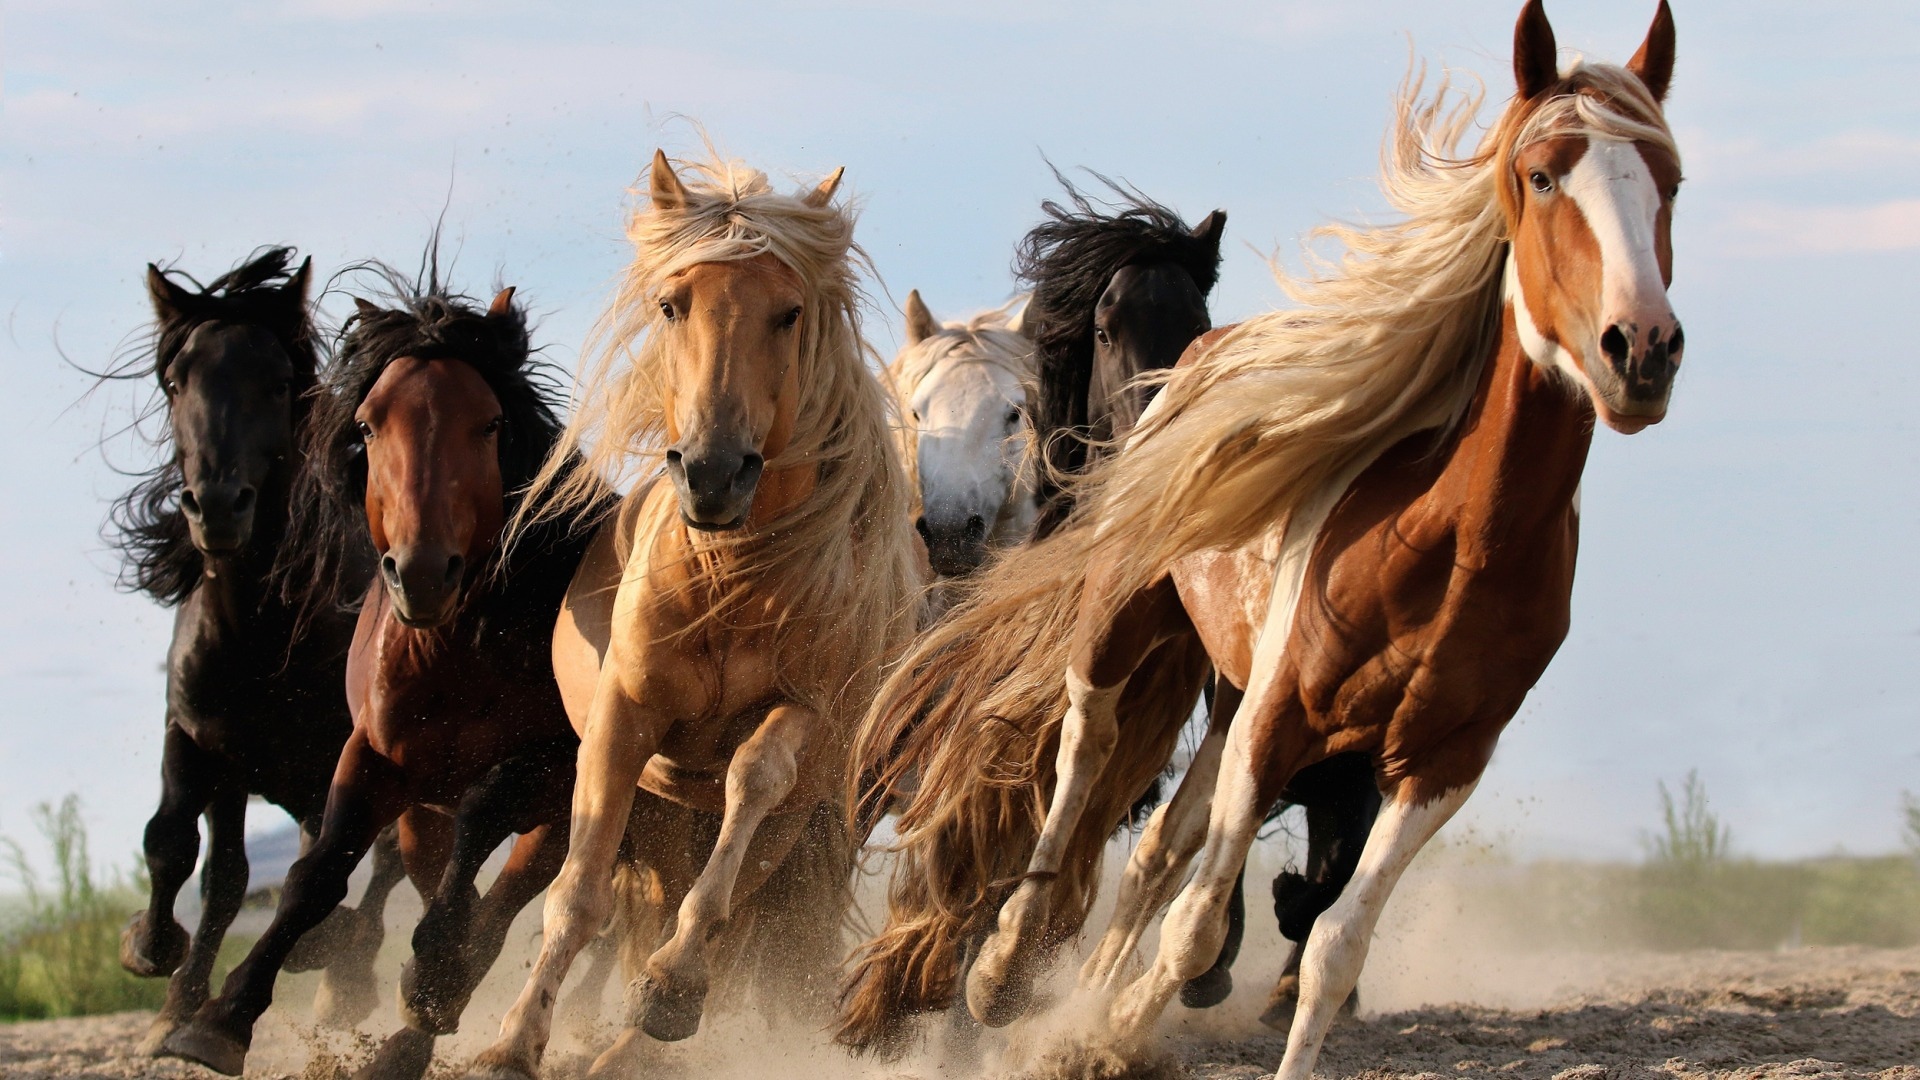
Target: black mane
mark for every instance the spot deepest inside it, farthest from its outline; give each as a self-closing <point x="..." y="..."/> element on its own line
<point x="1067" y="261"/>
<point x="327" y="557"/>
<point x="146" y="524"/>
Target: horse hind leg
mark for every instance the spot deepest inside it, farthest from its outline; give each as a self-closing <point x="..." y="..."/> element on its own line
<point x="223" y="888"/>
<point x="1337" y="948"/>
<point x="671" y="992"/>
<point x="348" y="992"/>
<point x="1341" y="799"/>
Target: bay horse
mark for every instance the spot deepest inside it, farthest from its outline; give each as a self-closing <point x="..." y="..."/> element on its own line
<point x="1363" y="514"/>
<point x="725" y="633"/>
<point x="963" y="387"/>
<point x="253" y="689"/>
<point x="431" y="421"/>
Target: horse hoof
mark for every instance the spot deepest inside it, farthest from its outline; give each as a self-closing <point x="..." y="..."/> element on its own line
<point x="209" y="1046"/>
<point x="404" y="1056"/>
<point x="1208" y="989"/>
<point x="152" y="951"/>
<point x="421" y="1010"/>
<point x="623" y="1059"/>
<point x="492" y="1064"/>
<point x="154" y="1042"/>
<point x="998" y="994"/>
<point x="1278" y="1014"/>
<point x="665" y="1011"/>
<point x="343" y="999"/>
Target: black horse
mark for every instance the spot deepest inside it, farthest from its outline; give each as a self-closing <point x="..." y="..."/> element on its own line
<point x="255" y="701"/>
<point x="1119" y="291"/>
<point x="433" y="418"/>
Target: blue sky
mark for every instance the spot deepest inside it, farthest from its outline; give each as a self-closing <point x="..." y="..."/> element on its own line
<point x="1745" y="604"/>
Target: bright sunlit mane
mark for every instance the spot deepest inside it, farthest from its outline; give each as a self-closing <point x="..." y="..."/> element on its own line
<point x="1389" y="340"/>
<point x="858" y="584"/>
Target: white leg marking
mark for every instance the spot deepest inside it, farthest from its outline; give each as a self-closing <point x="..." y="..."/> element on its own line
<point x="1337" y="947"/>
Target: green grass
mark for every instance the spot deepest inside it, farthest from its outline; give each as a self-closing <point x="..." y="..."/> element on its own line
<point x="60" y="941"/>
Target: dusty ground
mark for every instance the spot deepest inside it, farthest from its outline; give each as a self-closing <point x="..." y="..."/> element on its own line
<point x="1807" y="1012"/>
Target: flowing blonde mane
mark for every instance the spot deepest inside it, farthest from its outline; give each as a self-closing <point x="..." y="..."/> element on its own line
<point x="836" y="568"/>
<point x="1388" y="341"/>
<point x="988" y="338"/>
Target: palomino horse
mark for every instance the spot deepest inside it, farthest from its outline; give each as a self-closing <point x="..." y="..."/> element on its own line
<point x="1366" y="510"/>
<point x="253" y="691"/>
<point x="1117" y="296"/>
<point x="430" y="422"/>
<point x="725" y="633"/>
<point x="964" y="386"/>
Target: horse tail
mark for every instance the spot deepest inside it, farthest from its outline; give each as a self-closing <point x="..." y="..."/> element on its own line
<point x="965" y="731"/>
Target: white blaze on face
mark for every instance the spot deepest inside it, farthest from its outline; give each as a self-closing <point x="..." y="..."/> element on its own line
<point x="1615" y="192"/>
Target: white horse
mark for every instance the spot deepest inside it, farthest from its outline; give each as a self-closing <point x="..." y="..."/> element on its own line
<point x="964" y="388"/>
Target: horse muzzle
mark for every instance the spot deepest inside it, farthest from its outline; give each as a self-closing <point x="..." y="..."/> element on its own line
<point x="424" y="584"/>
<point x="219" y="516"/>
<point x="715" y="486"/>
<point x="956" y="546"/>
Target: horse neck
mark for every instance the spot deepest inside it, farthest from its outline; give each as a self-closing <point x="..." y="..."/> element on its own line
<point x="1521" y="451"/>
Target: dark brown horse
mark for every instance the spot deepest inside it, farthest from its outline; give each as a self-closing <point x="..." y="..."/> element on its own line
<point x="253" y="692"/>
<point x="430" y="422"/>
<point x="1363" y="514"/>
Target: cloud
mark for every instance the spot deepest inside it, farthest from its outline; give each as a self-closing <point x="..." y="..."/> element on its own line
<point x="1774" y="228"/>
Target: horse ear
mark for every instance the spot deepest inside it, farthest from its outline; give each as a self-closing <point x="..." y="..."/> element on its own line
<point x="921" y="324"/>
<point x="170" y="301"/>
<point x="664" y="188"/>
<point x="1018" y="324"/>
<point x="823" y="194"/>
<point x="296" y="287"/>
<point x="1211" y="228"/>
<point x="1536" y="59"/>
<point x="1654" y="60"/>
<point x="502" y="304"/>
<point x="366" y="308"/>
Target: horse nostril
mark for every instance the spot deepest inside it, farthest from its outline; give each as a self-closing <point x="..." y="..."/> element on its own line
<point x="1675" y="343"/>
<point x="674" y="462"/>
<point x="455" y="564"/>
<point x="920" y="526"/>
<point x="390" y="570"/>
<point x="243" y="502"/>
<point x="976" y="529"/>
<point x="1614" y="343"/>
<point x="189" y="503"/>
<point x="750" y="467"/>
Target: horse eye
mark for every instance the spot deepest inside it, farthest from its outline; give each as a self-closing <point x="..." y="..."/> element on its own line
<point x="170" y="386"/>
<point x="666" y="309"/>
<point x="1100" y="335"/>
<point x="790" y="319"/>
<point x="1013" y="417"/>
<point x="283" y="388"/>
<point x="1541" y="182"/>
<point x="493" y="426"/>
<point x="366" y="429"/>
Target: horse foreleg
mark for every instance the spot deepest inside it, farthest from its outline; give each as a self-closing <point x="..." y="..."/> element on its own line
<point x="223" y="888"/>
<point x="348" y="992"/>
<point x="457" y="937"/>
<point x="759" y="778"/>
<point x="1172" y="836"/>
<point x="1337" y="948"/>
<point x="621" y="734"/>
<point x="366" y="796"/>
<point x="154" y="942"/>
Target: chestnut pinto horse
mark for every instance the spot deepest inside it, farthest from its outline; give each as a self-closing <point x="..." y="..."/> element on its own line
<point x="1366" y="510"/>
<point x="726" y="632"/>
<point x="430" y="422"/>
<point x="253" y="690"/>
